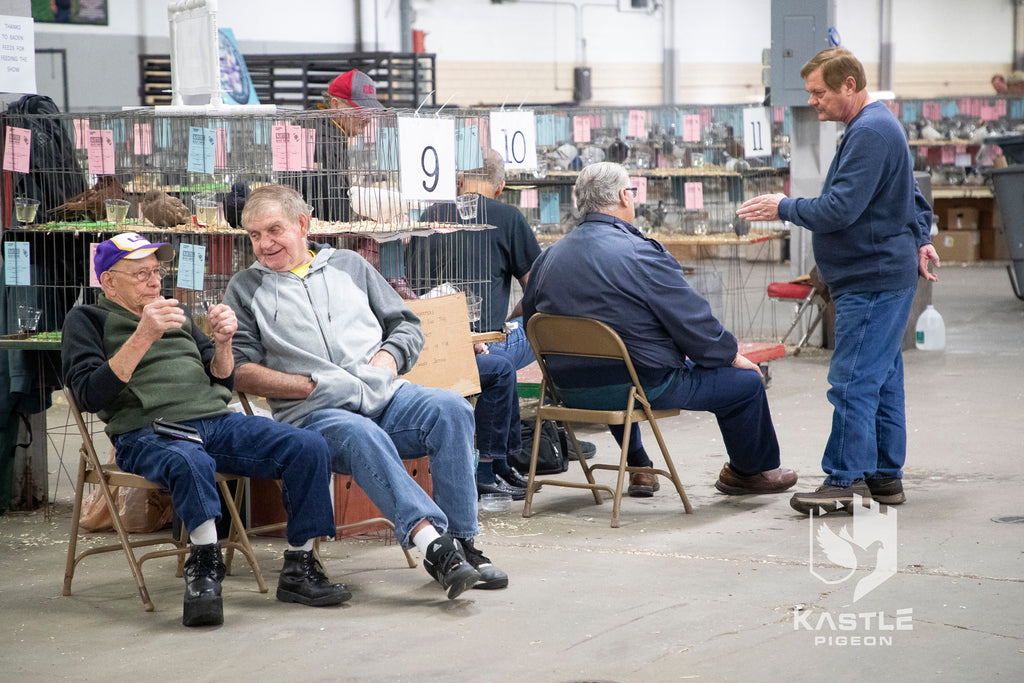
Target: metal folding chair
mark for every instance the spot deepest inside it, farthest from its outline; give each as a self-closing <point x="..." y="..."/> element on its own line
<point x="92" y="471"/>
<point x="552" y="335"/>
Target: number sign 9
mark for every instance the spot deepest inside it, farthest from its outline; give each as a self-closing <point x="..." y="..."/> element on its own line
<point x="426" y="156"/>
<point x="514" y="137"/>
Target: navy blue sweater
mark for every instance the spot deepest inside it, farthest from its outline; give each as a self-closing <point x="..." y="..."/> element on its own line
<point x="606" y="270"/>
<point x="870" y="219"/>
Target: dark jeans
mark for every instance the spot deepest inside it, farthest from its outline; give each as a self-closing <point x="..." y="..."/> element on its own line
<point x="497" y="407"/>
<point x="236" y="444"/>
<point x="739" y="402"/>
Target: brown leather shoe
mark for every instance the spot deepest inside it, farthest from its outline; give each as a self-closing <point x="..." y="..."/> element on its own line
<point x="643" y="484"/>
<point x="770" y="481"/>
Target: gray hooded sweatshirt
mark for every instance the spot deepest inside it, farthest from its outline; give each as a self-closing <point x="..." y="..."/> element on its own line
<point x="328" y="326"/>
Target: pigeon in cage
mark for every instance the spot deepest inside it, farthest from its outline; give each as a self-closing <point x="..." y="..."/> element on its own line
<point x="90" y="204"/>
<point x="234" y="202"/>
<point x="165" y="211"/>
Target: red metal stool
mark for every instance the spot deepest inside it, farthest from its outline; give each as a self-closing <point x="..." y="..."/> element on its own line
<point x="807" y="294"/>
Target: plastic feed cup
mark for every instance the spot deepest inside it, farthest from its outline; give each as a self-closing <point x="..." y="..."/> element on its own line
<point x="206" y="212"/>
<point x="28" y="318"/>
<point x="25" y="209"/>
<point x="117" y="210"/>
<point x="467" y="206"/>
<point x="496" y="502"/>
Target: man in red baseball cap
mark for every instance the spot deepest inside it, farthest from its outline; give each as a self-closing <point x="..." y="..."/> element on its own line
<point x="354" y="89"/>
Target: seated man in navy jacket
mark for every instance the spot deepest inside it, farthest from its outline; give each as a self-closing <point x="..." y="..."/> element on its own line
<point x="606" y="270"/>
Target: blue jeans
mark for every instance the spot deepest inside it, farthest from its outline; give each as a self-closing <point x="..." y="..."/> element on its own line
<point x="236" y="444"/>
<point x="497" y="407"/>
<point x="869" y="432"/>
<point x="418" y="421"/>
<point x="516" y="346"/>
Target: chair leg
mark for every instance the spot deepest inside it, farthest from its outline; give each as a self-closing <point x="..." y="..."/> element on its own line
<point x="617" y="496"/>
<point x="76" y="517"/>
<point x="238" y="537"/>
<point x="587" y="470"/>
<point x="810" y="330"/>
<point x="799" y="314"/>
<point x="668" y="462"/>
<point x="530" y="488"/>
<point x="122" y="535"/>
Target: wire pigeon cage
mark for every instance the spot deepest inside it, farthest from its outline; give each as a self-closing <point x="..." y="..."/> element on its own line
<point x="183" y="179"/>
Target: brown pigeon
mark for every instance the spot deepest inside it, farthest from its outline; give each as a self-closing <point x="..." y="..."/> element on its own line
<point x="165" y="211"/>
<point x="91" y="203"/>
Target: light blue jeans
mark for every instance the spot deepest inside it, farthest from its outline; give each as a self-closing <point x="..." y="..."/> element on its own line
<point x="516" y="346"/>
<point x="869" y="431"/>
<point x="418" y="421"/>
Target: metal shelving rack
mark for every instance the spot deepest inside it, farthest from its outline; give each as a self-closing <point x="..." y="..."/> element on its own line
<point x="296" y="81"/>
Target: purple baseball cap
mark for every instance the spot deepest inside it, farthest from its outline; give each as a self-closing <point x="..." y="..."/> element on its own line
<point x="128" y="245"/>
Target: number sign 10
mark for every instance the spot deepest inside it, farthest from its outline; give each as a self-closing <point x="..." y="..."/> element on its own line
<point x="514" y="137"/>
<point x="426" y="157"/>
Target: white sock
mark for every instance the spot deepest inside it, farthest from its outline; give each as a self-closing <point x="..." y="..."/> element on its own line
<point x="305" y="547"/>
<point x="424" y="537"/>
<point x="204" y="534"/>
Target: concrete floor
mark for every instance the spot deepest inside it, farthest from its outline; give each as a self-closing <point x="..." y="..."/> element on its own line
<point x="667" y="596"/>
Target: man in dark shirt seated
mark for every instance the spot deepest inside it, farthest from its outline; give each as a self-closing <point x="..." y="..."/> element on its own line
<point x="606" y="270"/>
<point x="135" y="357"/>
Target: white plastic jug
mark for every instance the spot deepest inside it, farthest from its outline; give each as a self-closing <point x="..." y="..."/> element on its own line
<point x="931" y="331"/>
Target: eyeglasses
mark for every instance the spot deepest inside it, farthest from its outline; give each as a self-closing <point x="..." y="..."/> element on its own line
<point x="634" y="190"/>
<point x="144" y="274"/>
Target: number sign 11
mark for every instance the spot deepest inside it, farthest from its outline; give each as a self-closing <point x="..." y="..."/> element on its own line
<point x="426" y="158"/>
<point x="757" y="133"/>
<point x="514" y="137"/>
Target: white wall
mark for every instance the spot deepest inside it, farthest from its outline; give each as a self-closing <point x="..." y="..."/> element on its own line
<point x="527" y="49"/>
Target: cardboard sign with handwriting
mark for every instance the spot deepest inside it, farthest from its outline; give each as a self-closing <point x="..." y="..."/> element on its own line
<point x="447" y="360"/>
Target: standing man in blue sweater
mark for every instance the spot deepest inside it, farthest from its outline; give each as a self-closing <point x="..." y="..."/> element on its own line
<point x="870" y="228"/>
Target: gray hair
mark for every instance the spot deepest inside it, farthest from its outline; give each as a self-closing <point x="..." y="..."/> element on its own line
<point x="270" y="197"/>
<point x="598" y="187"/>
<point x="493" y="170"/>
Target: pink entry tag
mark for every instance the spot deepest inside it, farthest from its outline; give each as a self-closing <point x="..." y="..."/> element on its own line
<point x="101" y="152"/>
<point x="17" y="149"/>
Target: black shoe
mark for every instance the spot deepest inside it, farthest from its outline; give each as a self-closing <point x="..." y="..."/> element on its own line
<point x="446" y="562"/>
<point x="512" y="478"/>
<point x="491" y="578"/>
<point x="204" y="572"/>
<point x="589" y="449"/>
<point x="828" y="498"/>
<point x="887" y="491"/>
<point x="303" y="581"/>
<point x="500" y="486"/>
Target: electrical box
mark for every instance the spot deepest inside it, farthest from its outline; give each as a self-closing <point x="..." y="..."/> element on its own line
<point x="581" y="84"/>
<point x="800" y="30"/>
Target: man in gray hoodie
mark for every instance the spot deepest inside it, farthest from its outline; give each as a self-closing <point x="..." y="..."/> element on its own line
<point x="324" y="337"/>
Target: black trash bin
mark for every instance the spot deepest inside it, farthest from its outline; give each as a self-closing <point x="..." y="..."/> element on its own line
<point x="1009" y="189"/>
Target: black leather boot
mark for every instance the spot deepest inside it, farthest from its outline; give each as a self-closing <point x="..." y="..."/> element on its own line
<point x="303" y="581"/>
<point x="204" y="571"/>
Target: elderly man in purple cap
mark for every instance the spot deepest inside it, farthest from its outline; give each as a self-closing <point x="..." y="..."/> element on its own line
<point x="133" y="358"/>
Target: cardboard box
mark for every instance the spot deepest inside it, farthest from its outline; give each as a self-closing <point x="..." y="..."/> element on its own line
<point x="961" y="218"/>
<point x="958" y="245"/>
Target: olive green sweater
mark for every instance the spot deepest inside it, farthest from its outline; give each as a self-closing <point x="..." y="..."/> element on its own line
<point x="172" y="381"/>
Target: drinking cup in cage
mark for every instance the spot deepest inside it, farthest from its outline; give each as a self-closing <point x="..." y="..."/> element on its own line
<point x="25" y="209"/>
<point x="466" y="204"/>
<point x="28" y="319"/>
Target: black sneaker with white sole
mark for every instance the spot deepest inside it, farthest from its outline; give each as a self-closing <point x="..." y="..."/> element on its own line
<point x="446" y="562"/>
<point x="491" y="578"/>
